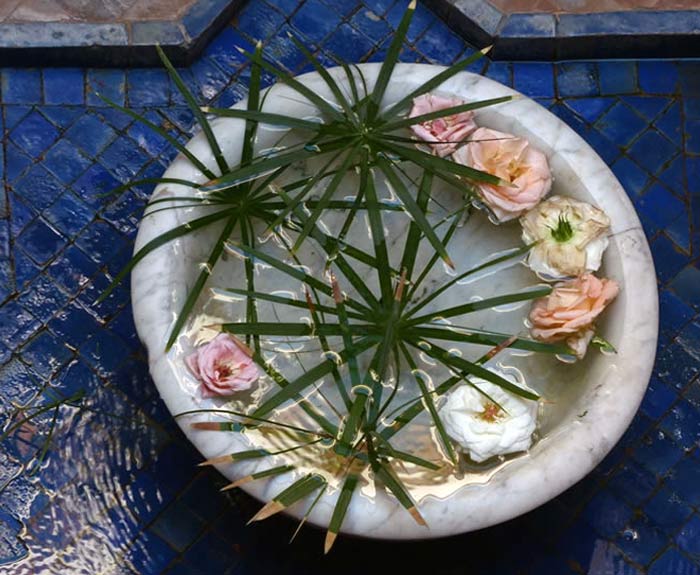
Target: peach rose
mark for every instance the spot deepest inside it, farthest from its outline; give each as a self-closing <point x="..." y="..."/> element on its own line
<point x="222" y="367"/>
<point x="513" y="160"/>
<point x="445" y="133"/>
<point x="567" y="314"/>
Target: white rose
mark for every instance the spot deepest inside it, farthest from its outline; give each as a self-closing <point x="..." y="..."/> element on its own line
<point x="571" y="236"/>
<point x="481" y="427"/>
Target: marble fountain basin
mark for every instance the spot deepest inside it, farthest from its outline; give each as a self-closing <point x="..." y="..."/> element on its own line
<point x="589" y="405"/>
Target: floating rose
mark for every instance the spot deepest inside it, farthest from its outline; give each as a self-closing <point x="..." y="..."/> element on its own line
<point x="513" y="160"/>
<point x="484" y="429"/>
<point x="222" y="367"/>
<point x="568" y="313"/>
<point x="571" y="237"/>
<point x="444" y="133"/>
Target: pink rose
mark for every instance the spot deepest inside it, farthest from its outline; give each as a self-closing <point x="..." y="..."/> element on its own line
<point x="569" y="311"/>
<point x="444" y="133"/>
<point x="513" y="160"/>
<point x="223" y="367"/>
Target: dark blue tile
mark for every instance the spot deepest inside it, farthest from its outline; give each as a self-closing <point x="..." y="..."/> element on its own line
<point x="641" y="541"/>
<point x="691" y="108"/>
<point x="123" y="158"/>
<point x="34" y="134"/>
<point x="178" y="526"/>
<point x="647" y="106"/>
<point x="25" y="269"/>
<point x="657" y="453"/>
<point x="90" y="134"/>
<point x="116" y="118"/>
<point x="673" y="176"/>
<point x="657" y="399"/>
<point x="21" y="86"/>
<point x="376" y="28"/>
<point x="69" y="215"/>
<point x="61" y="116"/>
<point x="676" y="366"/>
<point x="16" y="324"/>
<point x="147" y="138"/>
<point x="148" y="87"/>
<point x="653" y="151"/>
<point x="501" y="72"/>
<point x="606" y="149"/>
<point x="223" y="50"/>
<point x="631" y="176"/>
<point x="621" y="124"/>
<point x="632" y="483"/>
<point x="108" y="83"/>
<point x="204" y="498"/>
<point x="590" y="109"/>
<point x="659" y="205"/>
<point x="65" y="161"/>
<point x="607" y="514"/>
<point x="16" y="161"/>
<point x="685" y="285"/>
<point x="64" y="86"/>
<point x="689" y="537"/>
<point x="72" y="269"/>
<point x="213" y="551"/>
<point x="667" y="510"/>
<point x="38" y="188"/>
<point x="535" y="80"/>
<point x="349" y="44"/>
<point x="343" y="7"/>
<point x="94" y="184"/>
<point x="25" y="385"/>
<point x="669" y="124"/>
<point x="674" y="314"/>
<point x="576" y="79"/>
<point x="45" y="354"/>
<point x="258" y="21"/>
<point x="105" y="352"/>
<point x="149" y="553"/>
<point x="43" y="298"/>
<point x="658" y="77"/>
<point x="40" y="241"/>
<point x="439" y="45"/>
<point x="617" y="77"/>
<point x="74" y="325"/>
<point x="210" y="80"/>
<point x="101" y="242"/>
<point x="689" y="337"/>
<point x="672" y="562"/>
<point x="422" y="19"/>
<point x="682" y="424"/>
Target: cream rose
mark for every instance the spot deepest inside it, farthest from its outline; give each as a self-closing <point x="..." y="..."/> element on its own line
<point x="481" y="427"/>
<point x="446" y="133"/>
<point x="571" y="237"/>
<point x="222" y="367"/>
<point x="513" y="160"/>
<point x="567" y="314"/>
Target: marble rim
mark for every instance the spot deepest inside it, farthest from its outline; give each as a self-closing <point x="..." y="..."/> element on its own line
<point x="554" y="464"/>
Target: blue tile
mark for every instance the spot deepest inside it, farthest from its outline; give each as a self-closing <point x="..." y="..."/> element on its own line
<point x="105" y="352"/>
<point x="258" y="21"/>
<point x="657" y="399"/>
<point x="16" y="161"/>
<point x="214" y="552"/>
<point x="672" y="562"/>
<point x="149" y="553"/>
<point x="72" y="269"/>
<point x="617" y="77"/>
<point x="61" y="116"/>
<point x="576" y="79"/>
<point x="25" y="269"/>
<point x="25" y="385"/>
<point x="422" y="19"/>
<point x="689" y="537"/>
<point x="21" y="86"/>
<point x="689" y="337"/>
<point x="590" y="109"/>
<point x="682" y="424"/>
<point x="38" y="188"/>
<point x="691" y="107"/>
<point x="123" y="158"/>
<point x="660" y="206"/>
<point x="349" y="44"/>
<point x="685" y="480"/>
<point x="223" y="50"/>
<point x="42" y="298"/>
<point x="658" y="77"/>
<point x="45" y="354"/>
<point x="148" y="87"/>
<point x="676" y="366"/>
<point x="641" y="541"/>
<point x="90" y="134"/>
<point x="64" y="86"/>
<point x="210" y="80"/>
<point x="685" y="285"/>
<point x="673" y="176"/>
<point x="16" y="324"/>
<point x="69" y="215"/>
<point x="109" y="83"/>
<point x="667" y="510"/>
<point x="40" y="241"/>
<point x="439" y="45"/>
<point x="343" y="7"/>
<point x="632" y="483"/>
<point x="535" y="80"/>
<point x="607" y="514"/>
<point x="376" y="28"/>
<point x="657" y="453"/>
<point x="178" y="526"/>
<point x="34" y="134"/>
<point x="646" y="106"/>
<point x="74" y="325"/>
<point x="621" y="124"/>
<point x="631" y="176"/>
<point x="501" y="72"/>
<point x="65" y="161"/>
<point x="674" y="314"/>
<point x="147" y="138"/>
<point x="669" y="124"/>
<point x="653" y="151"/>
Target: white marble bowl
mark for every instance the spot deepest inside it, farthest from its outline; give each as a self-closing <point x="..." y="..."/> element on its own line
<point x="592" y="408"/>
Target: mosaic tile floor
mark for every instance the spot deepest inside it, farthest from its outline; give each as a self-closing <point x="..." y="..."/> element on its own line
<point x="119" y="492"/>
<point x="588" y="6"/>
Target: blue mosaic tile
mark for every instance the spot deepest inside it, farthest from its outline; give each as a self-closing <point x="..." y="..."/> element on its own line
<point x="641" y="541"/>
<point x="660" y="206"/>
<point x="38" y="188"/>
<point x="178" y="526"/>
<point x="621" y="124"/>
<point x="685" y="480"/>
<point x="534" y="79"/>
<point x="65" y="161"/>
<point x="501" y="72"/>
<point x="45" y="354"/>
<point x="685" y="285"/>
<point x="647" y="106"/>
<point x="16" y="161"/>
<point x="652" y="150"/>
<point x="590" y="109"/>
<point x="64" y="86"/>
<point x="68" y="214"/>
<point x="21" y="86"/>
<point x="617" y="77"/>
<point x="210" y="79"/>
<point x="439" y="45"/>
<point x="632" y="483"/>
<point x="108" y="83"/>
<point x="61" y="116"/>
<point x="348" y="42"/>
<point x="657" y="399"/>
<point x="376" y="28"/>
<point x="657" y="452"/>
<point x="40" y="241"/>
<point x="667" y="510"/>
<point x="607" y="514"/>
<point x="673" y="176"/>
<point x="42" y="298"/>
<point x="422" y="19"/>
<point x="258" y="21"/>
<point x="34" y="134"/>
<point x="688" y="539"/>
<point x="124" y="159"/>
<point x="631" y="176"/>
<point x="658" y="77"/>
<point x="149" y="553"/>
<point x="673" y="562"/>
<point x="576" y="79"/>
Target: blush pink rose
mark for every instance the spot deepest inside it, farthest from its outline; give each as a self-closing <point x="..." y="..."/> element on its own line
<point x="446" y="133"/>
<point x="567" y="314"/>
<point x="223" y="367"/>
<point x="513" y="160"/>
